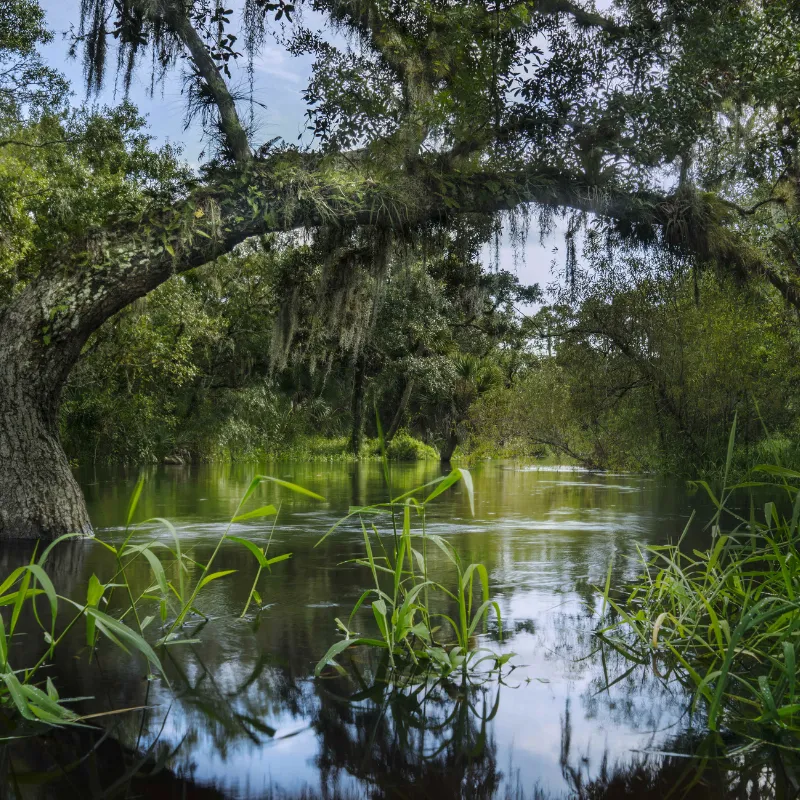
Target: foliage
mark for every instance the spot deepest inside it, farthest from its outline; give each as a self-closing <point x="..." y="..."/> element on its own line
<point x="404" y="447"/>
<point x="648" y="375"/>
<point x="724" y="621"/>
<point x="179" y="581"/>
<point x="64" y="173"/>
<point x="26" y="82"/>
<point x="402" y="609"/>
<point x="244" y="361"/>
<point x="656" y="132"/>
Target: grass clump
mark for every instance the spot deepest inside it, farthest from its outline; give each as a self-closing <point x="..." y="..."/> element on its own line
<point x="170" y="601"/>
<point x="404" y="447"/>
<point x="416" y="639"/>
<point x="725" y="621"/>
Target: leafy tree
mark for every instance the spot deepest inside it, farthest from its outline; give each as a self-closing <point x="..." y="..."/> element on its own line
<point x="473" y="109"/>
<point x="26" y="83"/>
<point x="650" y="377"/>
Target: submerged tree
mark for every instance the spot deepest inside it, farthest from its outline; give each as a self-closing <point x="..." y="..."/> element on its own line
<point x="432" y="111"/>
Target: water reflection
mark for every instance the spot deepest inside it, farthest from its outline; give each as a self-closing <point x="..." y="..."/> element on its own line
<point x="433" y="742"/>
<point x="245" y="719"/>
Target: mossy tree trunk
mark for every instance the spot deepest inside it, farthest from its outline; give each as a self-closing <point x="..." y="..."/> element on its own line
<point x="39" y="496"/>
<point x="42" y="333"/>
<point x="357" y="405"/>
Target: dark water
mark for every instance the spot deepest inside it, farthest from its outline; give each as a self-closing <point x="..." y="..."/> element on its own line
<point x="245" y="718"/>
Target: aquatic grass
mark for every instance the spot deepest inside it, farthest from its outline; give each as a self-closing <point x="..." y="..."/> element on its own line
<point x="187" y="599"/>
<point x="22" y="696"/>
<point x="398" y="613"/>
<point x="724" y="621"/>
<point x="400" y="599"/>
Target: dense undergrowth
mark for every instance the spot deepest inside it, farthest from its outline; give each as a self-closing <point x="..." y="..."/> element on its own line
<point x="198" y="369"/>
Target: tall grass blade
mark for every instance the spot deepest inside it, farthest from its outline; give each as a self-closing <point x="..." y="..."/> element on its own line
<point x="137" y="492"/>
<point x="264" y="511"/>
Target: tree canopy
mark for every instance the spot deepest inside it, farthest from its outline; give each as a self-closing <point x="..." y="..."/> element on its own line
<point x="655" y="129"/>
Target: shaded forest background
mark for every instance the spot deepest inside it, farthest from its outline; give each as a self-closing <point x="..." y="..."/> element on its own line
<point x="641" y="370"/>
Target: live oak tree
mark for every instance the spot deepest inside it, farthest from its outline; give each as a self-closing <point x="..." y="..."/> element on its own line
<point x="672" y="123"/>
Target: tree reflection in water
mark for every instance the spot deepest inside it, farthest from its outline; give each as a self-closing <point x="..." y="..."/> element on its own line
<point x="244" y="691"/>
<point x="424" y="740"/>
<point x="427" y="739"/>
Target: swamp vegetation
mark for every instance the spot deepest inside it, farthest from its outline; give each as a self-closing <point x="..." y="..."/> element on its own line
<point x="468" y="564"/>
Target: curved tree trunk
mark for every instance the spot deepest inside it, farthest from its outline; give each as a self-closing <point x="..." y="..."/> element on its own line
<point x="39" y="496"/>
<point x="42" y="332"/>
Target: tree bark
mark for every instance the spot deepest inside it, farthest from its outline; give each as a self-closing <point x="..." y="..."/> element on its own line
<point x="39" y="497"/>
<point x="42" y="333"/>
<point x="233" y="134"/>
<point x="359" y="389"/>
<point x="401" y="410"/>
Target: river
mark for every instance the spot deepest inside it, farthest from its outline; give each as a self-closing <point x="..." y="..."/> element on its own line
<point x="244" y="717"/>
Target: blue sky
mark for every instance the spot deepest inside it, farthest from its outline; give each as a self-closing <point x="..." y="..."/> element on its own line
<point x="279" y="80"/>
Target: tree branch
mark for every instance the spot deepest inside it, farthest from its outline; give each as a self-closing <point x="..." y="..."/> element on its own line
<point x="581" y="17"/>
<point x="748" y="211"/>
<point x="233" y="132"/>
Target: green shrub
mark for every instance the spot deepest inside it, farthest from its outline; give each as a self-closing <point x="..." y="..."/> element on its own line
<point x="404" y="447"/>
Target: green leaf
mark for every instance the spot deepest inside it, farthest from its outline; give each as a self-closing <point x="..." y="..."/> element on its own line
<point x="483" y="609"/>
<point x="158" y="570"/>
<point x="466" y="478"/>
<point x="444" y="546"/>
<point x="264" y="511"/>
<point x="379" y="612"/>
<point x="253" y="548"/>
<point x="178" y="555"/>
<point x="11" y="580"/>
<point x="3" y="644"/>
<point x="39" y="701"/>
<point x="43" y="579"/>
<point x="94" y="592"/>
<point x="214" y="576"/>
<point x="115" y="629"/>
<point x="454" y="477"/>
<point x="134" y="500"/>
<point x="15" y="691"/>
<point x="292" y="487"/>
<point x="22" y="594"/>
<point x="278" y="559"/>
<point x="60" y="539"/>
<point x="8" y="599"/>
<point x="333" y="651"/>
